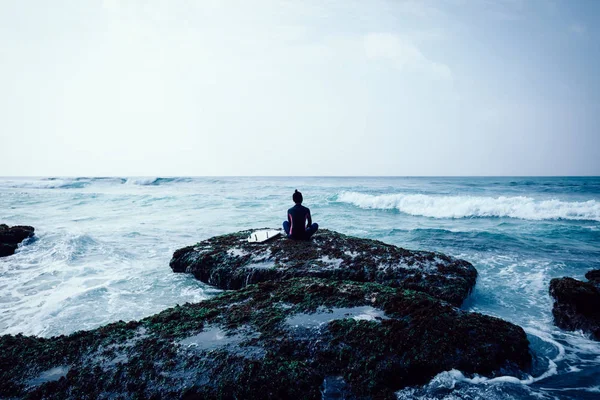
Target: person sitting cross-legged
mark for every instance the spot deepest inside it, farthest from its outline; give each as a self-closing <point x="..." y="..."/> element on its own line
<point x="299" y="225"/>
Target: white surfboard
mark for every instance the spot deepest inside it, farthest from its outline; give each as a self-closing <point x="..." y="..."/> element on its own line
<point x="263" y="235"/>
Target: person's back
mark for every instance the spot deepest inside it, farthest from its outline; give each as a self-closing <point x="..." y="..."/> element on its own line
<point x="299" y="223"/>
<point x="299" y="218"/>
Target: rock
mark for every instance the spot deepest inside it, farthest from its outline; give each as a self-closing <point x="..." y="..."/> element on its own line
<point x="11" y="237"/>
<point x="593" y="276"/>
<point x="230" y="262"/>
<point x="576" y="305"/>
<point x="294" y="338"/>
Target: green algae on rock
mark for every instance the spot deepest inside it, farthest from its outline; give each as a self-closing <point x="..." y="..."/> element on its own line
<point x="230" y="262"/>
<point x="288" y="339"/>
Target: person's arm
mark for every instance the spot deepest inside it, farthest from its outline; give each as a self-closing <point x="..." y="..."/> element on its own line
<point x="287" y="227"/>
<point x="308" y="218"/>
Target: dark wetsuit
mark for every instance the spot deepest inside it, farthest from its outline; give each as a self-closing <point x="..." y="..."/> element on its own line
<point x="299" y="223"/>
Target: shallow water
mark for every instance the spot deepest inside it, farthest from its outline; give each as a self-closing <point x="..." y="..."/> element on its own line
<point x="102" y="250"/>
<point x="322" y="316"/>
<point x="53" y="374"/>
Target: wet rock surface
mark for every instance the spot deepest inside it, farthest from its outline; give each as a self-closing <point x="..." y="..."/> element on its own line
<point x="577" y="303"/>
<point x="594" y="277"/>
<point x="230" y="262"/>
<point x="10" y="237"/>
<point x="297" y="338"/>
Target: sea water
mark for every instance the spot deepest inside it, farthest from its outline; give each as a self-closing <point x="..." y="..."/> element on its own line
<point x="102" y="249"/>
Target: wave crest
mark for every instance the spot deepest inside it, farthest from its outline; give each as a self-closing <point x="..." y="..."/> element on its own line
<point x="84" y="182"/>
<point x="153" y="181"/>
<point x="475" y="206"/>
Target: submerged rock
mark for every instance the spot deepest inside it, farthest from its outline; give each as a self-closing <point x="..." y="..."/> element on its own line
<point x="577" y="304"/>
<point x="298" y="338"/>
<point x="10" y="237"/>
<point x="230" y="262"/>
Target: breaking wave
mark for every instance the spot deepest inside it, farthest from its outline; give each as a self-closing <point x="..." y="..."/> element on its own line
<point x="152" y="181"/>
<point x="56" y="183"/>
<point x="84" y="182"/>
<point x="475" y="206"/>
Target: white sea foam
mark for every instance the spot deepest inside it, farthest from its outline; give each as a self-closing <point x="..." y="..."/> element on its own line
<point x="47" y="183"/>
<point x="475" y="206"/>
<point x="237" y="252"/>
<point x="590" y="389"/>
<point x="84" y="182"/>
<point x="453" y="385"/>
<point x="331" y="263"/>
<point x="452" y="378"/>
<point x="143" y="181"/>
<point x="155" y="181"/>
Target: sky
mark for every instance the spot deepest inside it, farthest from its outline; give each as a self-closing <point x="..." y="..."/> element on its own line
<point x="305" y="87"/>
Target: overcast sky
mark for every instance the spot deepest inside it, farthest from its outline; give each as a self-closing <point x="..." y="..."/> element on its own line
<point x="273" y="87"/>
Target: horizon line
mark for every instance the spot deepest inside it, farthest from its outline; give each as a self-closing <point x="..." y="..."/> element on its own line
<point x="299" y="176"/>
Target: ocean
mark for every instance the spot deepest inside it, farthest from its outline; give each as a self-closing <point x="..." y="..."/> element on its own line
<point x="102" y="249"/>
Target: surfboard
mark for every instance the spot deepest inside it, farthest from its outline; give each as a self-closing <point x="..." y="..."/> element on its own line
<point x="263" y="235"/>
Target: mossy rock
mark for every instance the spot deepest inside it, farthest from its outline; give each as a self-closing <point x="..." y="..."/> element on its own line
<point x="577" y="304"/>
<point x="231" y="262"/>
<point x="294" y="339"/>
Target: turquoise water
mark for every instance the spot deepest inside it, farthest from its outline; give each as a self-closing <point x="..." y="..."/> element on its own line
<point x="103" y="246"/>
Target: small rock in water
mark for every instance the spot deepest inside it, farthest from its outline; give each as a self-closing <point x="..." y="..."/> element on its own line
<point x="577" y="304"/>
<point x="10" y="237"/>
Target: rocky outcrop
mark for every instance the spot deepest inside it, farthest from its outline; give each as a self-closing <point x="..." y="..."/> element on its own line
<point x="297" y="338"/>
<point x="577" y="303"/>
<point x="11" y="237"/>
<point x="230" y="262"/>
<point x="594" y="277"/>
<point x="336" y="317"/>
